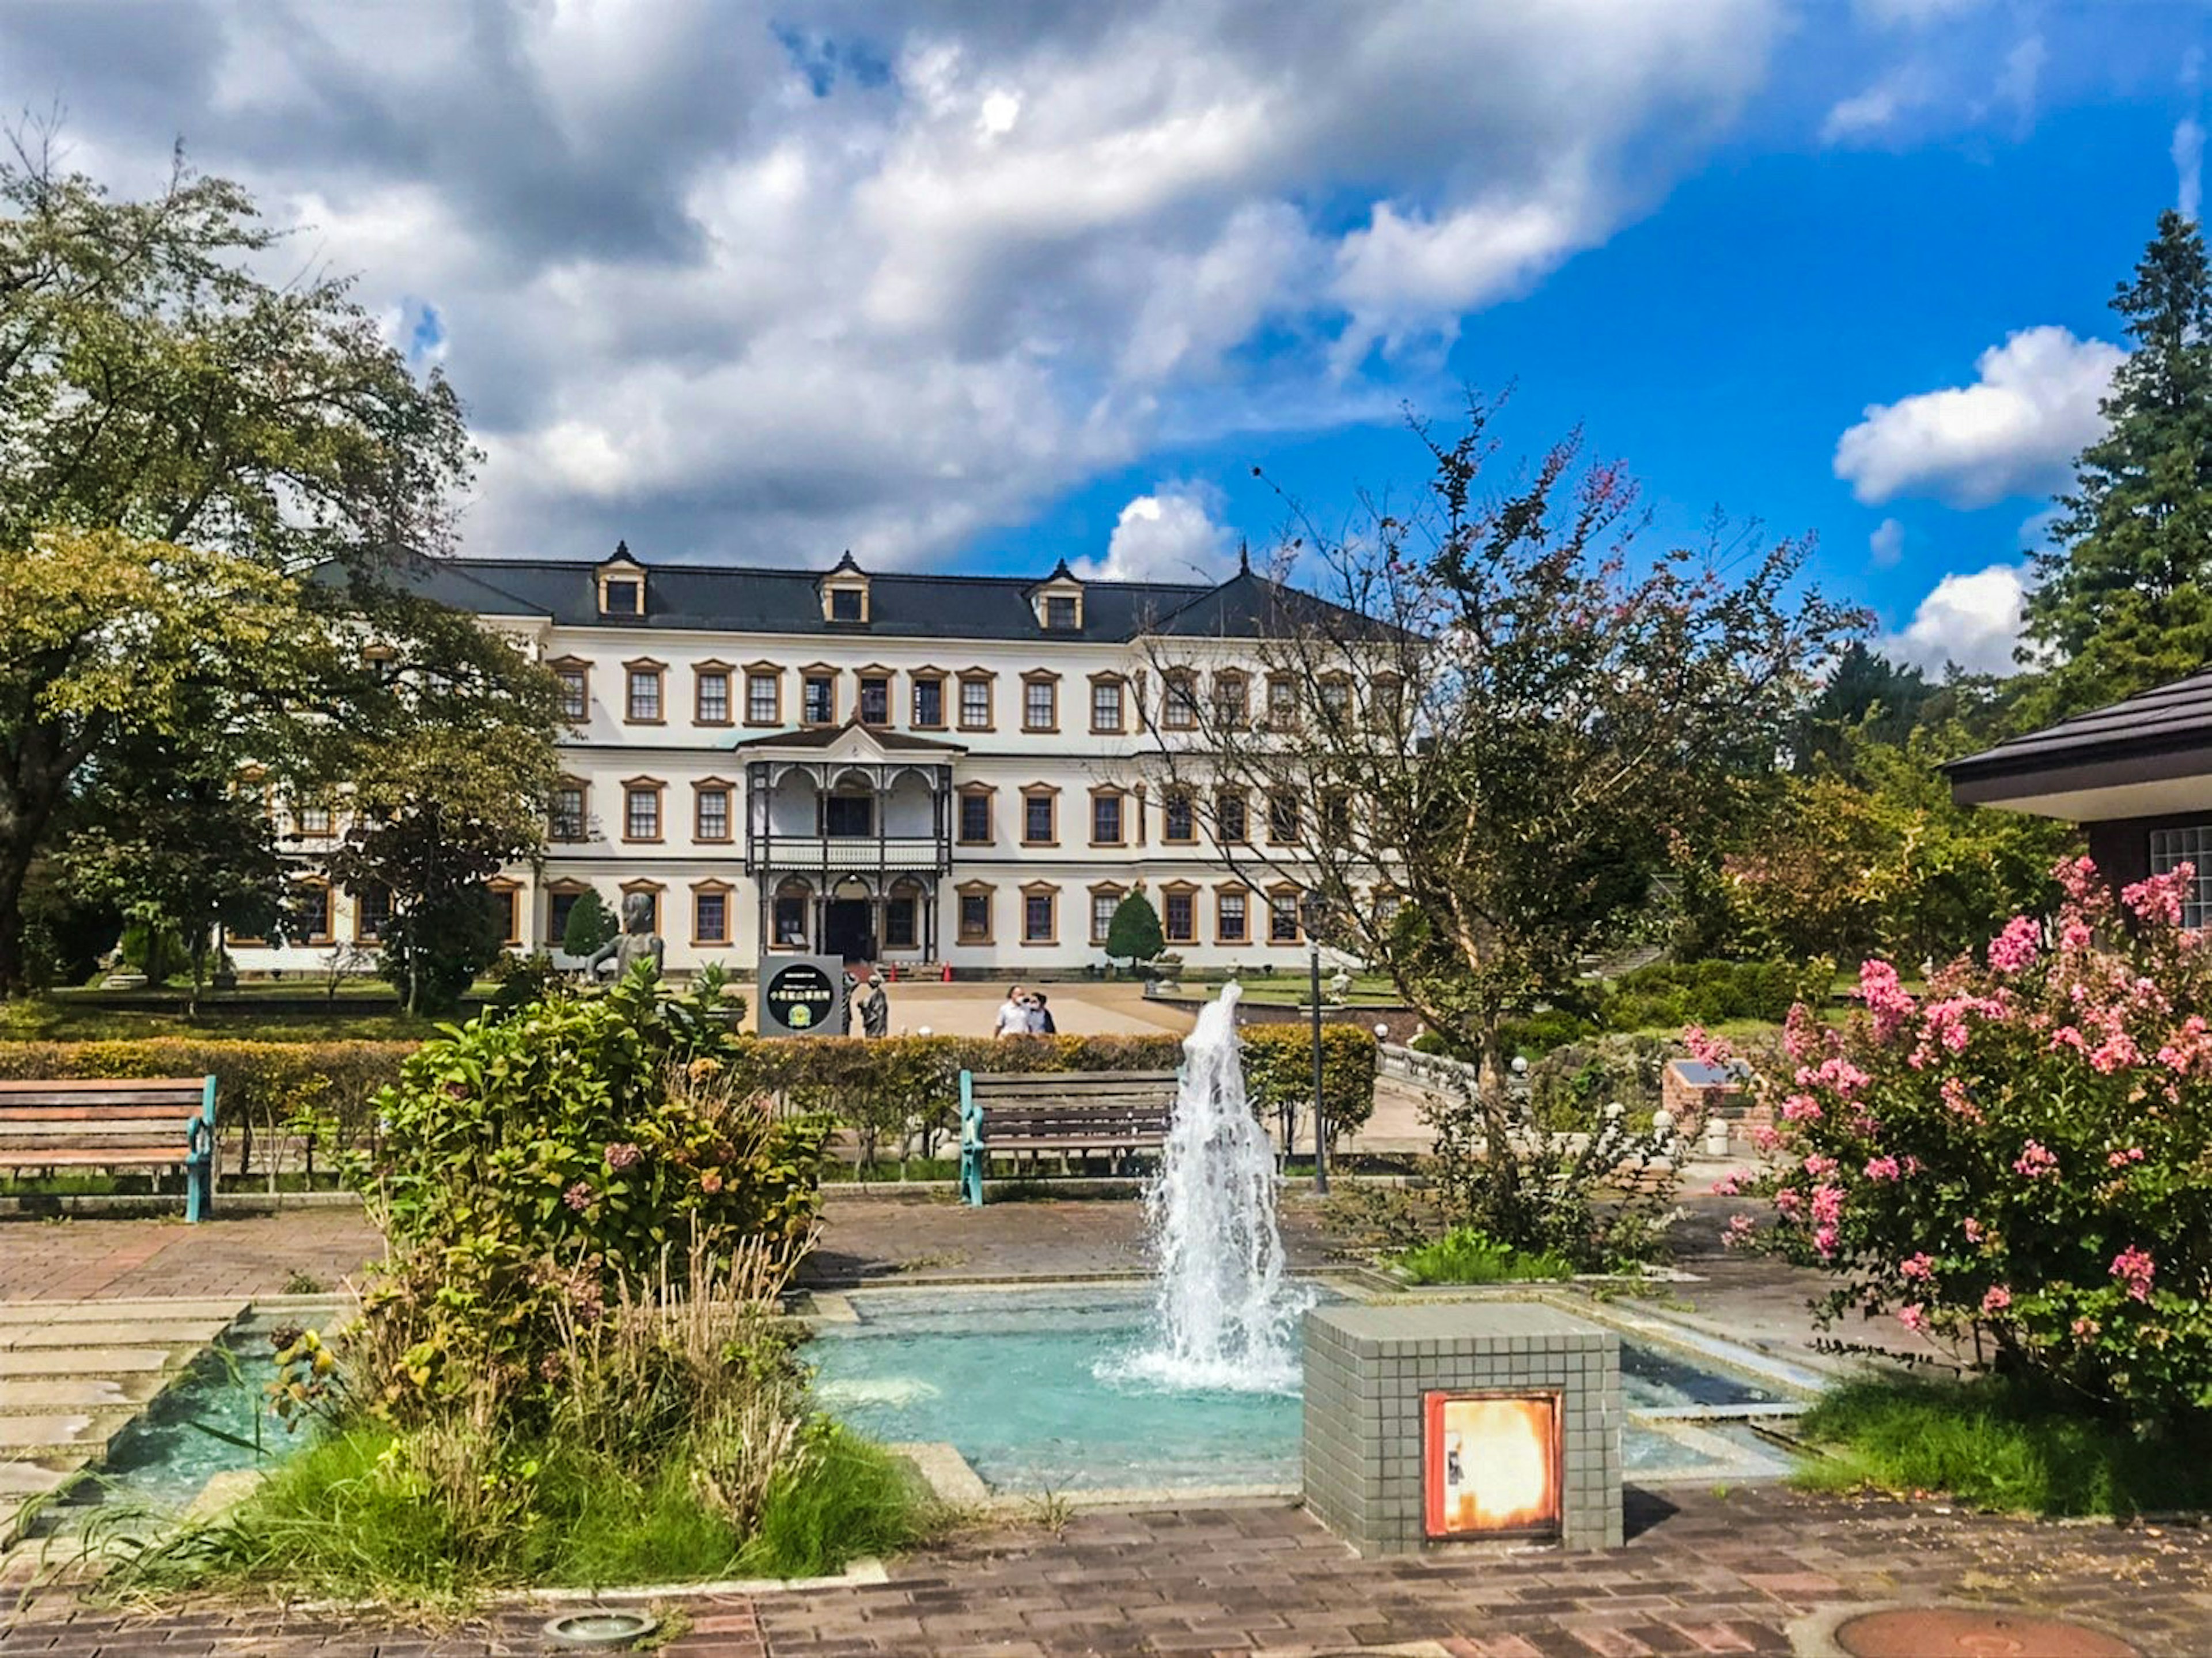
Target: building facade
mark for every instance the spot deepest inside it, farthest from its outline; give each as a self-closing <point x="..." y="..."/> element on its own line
<point x="922" y="770"/>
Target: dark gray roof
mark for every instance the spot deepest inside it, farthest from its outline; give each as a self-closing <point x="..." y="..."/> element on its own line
<point x="712" y="598"/>
<point x="824" y="737"/>
<point x="2172" y="718"/>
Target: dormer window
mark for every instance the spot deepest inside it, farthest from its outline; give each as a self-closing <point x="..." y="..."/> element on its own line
<point x="1058" y="601"/>
<point x="845" y="594"/>
<point x="622" y="585"/>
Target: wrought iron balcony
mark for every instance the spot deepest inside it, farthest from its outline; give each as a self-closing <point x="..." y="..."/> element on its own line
<point x="766" y="851"/>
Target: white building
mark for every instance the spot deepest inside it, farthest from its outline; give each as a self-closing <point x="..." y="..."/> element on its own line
<point x="921" y="769"/>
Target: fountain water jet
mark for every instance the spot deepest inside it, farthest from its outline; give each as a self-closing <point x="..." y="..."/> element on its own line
<point x="1228" y="1317"/>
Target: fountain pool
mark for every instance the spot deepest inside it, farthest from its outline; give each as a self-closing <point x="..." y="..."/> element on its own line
<point x="1031" y="1387"/>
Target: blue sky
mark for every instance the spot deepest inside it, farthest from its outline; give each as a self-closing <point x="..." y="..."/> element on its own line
<point x="979" y="286"/>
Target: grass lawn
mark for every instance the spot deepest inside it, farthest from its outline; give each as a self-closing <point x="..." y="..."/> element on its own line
<point x="1464" y="1255"/>
<point x="1997" y="1447"/>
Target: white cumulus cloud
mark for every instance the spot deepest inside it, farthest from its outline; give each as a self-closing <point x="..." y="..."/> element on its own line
<point x="1973" y="620"/>
<point x="2189" y="164"/>
<point x="756" y="283"/>
<point x="1170" y="535"/>
<point x="1887" y="545"/>
<point x="2015" y="430"/>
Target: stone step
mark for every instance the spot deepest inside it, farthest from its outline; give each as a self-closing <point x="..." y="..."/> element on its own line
<point x="89" y="1430"/>
<point x="94" y="1361"/>
<point x="37" y="1395"/>
<point x="17" y="1313"/>
<point x="136" y="1333"/>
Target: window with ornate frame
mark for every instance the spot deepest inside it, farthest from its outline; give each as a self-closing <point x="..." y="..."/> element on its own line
<point x="1178" y="817"/>
<point x="763" y="693"/>
<point x="710" y="694"/>
<point x="712" y="819"/>
<point x="644" y="682"/>
<point x="575" y="674"/>
<point x="1179" y="913"/>
<point x="1039" y="700"/>
<point x="1105" y="898"/>
<point x="560" y="901"/>
<point x="925" y="699"/>
<point x="1108" y="704"/>
<point x="818" y="695"/>
<point x="1108" y="818"/>
<point x="873" y="703"/>
<point x="1282" y="702"/>
<point x="710" y="912"/>
<point x="1232" y="824"/>
<point x="313" y="912"/>
<point x="975" y="711"/>
<point x="1039" y="815"/>
<point x="569" y="817"/>
<point x="1286" y="818"/>
<point x="1179" y="700"/>
<point x="1232" y="699"/>
<point x="972" y="919"/>
<point x="641" y="814"/>
<point x="1283" y="927"/>
<point x="1232" y="916"/>
<point x="1040" y="912"/>
<point x="972" y="828"/>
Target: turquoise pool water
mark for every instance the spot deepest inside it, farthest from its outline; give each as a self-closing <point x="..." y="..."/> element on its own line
<point x="1012" y="1378"/>
<point x="214" y="1420"/>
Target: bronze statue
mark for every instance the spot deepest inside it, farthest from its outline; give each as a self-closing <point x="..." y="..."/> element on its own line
<point x="636" y="942"/>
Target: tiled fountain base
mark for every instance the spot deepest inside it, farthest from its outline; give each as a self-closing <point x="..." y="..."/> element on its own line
<point x="73" y="1373"/>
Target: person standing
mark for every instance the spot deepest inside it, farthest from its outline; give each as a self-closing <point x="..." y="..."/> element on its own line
<point x="876" y="1012"/>
<point x="1013" y="1017"/>
<point x="1040" y="1023"/>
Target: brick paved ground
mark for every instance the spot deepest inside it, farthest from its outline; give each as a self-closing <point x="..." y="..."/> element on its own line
<point x="1706" y="1573"/>
<point x="99" y="1256"/>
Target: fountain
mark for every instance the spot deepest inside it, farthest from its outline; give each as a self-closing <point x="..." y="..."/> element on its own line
<point x="1227" y="1315"/>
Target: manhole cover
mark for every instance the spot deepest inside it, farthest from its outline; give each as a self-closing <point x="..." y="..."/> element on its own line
<point x="1960" y="1632"/>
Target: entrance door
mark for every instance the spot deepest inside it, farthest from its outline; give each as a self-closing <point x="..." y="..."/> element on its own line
<point x="845" y="930"/>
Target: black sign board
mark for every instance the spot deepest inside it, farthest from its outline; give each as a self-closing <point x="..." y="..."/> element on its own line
<point x="802" y="997"/>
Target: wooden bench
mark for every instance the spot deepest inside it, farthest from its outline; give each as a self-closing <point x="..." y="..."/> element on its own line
<point x="1114" y="1114"/>
<point x="159" y="1122"/>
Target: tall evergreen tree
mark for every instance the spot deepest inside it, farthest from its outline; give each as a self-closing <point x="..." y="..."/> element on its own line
<point x="2125" y="593"/>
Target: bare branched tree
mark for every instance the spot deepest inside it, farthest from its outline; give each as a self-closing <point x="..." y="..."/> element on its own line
<point x="1483" y="733"/>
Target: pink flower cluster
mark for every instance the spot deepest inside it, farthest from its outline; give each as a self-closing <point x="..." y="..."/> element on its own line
<point x="2159" y="899"/>
<point x="1882" y="1168"/>
<point x="578" y="1197"/>
<point x="623" y="1154"/>
<point x="1706" y="1049"/>
<point x="2034" y="1161"/>
<point x="1918" y="1266"/>
<point x="2134" y="1268"/>
<point x="2122" y="1159"/>
<point x="2017" y="946"/>
<point x="1996" y="1298"/>
<point x="1888" y="999"/>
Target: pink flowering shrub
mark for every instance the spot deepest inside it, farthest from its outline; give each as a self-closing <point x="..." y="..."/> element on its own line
<point x="2020" y="1158"/>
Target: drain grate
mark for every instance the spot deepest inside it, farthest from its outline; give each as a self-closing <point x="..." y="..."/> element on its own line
<point x="1964" y="1632"/>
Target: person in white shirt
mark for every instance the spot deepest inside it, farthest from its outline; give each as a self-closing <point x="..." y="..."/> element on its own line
<point x="1013" y="1019"/>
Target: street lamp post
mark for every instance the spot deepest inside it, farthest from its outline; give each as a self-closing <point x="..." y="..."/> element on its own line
<point x="1316" y="916"/>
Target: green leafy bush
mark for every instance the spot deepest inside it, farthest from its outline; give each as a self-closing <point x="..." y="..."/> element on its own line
<point x="530" y="1161"/>
<point x="1279" y="1073"/>
<point x="1671" y="994"/>
<point x="1466" y="1255"/>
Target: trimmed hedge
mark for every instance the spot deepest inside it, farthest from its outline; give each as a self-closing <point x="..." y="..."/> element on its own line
<point x="894" y="1092"/>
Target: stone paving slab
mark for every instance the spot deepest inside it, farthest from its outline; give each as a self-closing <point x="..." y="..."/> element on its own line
<point x="234" y="1257"/>
<point x="15" y="1313"/>
<point x="162" y="1333"/>
<point x="28" y="1395"/>
<point x="39" y="1433"/>
<point x="1700" y="1574"/>
<point x="90" y="1361"/>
